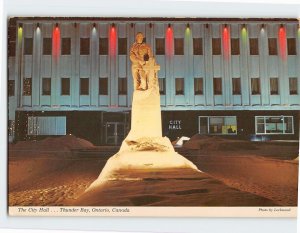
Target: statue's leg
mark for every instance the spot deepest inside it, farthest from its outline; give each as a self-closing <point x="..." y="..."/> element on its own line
<point x="143" y="77"/>
<point x="135" y="76"/>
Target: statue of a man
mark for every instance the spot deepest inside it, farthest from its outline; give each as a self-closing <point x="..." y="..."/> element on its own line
<point x="140" y="53"/>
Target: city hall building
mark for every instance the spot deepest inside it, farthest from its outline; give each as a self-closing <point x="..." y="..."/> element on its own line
<point x="237" y="78"/>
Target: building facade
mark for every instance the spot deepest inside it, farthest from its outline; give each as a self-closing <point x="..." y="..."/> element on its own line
<point x="231" y="77"/>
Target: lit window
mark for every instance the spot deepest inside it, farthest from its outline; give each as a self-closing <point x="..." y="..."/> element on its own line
<point x="179" y="86"/>
<point x="162" y="86"/>
<point x="274" y="125"/>
<point x="198" y="86"/>
<point x="274" y="86"/>
<point x="217" y="125"/>
<point x="255" y="86"/>
<point x="293" y="83"/>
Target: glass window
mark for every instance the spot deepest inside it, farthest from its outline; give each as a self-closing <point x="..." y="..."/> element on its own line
<point x="65" y="86"/>
<point x="122" y="86"/>
<point x="65" y="46"/>
<point x="255" y="86"/>
<point x="272" y="46"/>
<point x="84" y="86"/>
<point x="11" y="128"/>
<point x="274" y="125"/>
<point x="46" y="86"/>
<point x="47" y="46"/>
<point x="236" y="86"/>
<point x="274" y="86"/>
<point x="160" y="46"/>
<point x="291" y="45"/>
<point x="254" y="50"/>
<point x="84" y="46"/>
<point x="216" y="46"/>
<point x="179" y="46"/>
<point x="218" y="125"/>
<point x="103" y="46"/>
<point x="27" y="86"/>
<point x="162" y="86"/>
<point x="28" y="46"/>
<point x="179" y="86"/>
<point x="122" y="46"/>
<point x="11" y="87"/>
<point x="50" y="125"/>
<point x="198" y="46"/>
<point x="103" y="86"/>
<point x="293" y="83"/>
<point x="235" y="46"/>
<point x="198" y="86"/>
<point x="217" y="86"/>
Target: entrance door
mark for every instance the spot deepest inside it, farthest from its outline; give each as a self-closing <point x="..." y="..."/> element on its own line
<point x="115" y="132"/>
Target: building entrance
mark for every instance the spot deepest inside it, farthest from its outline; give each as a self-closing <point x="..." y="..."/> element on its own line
<point x="114" y="132"/>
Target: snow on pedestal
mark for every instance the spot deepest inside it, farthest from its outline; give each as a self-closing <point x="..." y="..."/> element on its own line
<point x="144" y="147"/>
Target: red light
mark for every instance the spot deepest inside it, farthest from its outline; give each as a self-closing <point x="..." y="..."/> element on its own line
<point x="282" y="42"/>
<point x="56" y="43"/>
<point x="169" y="42"/>
<point x="113" y="41"/>
<point x="226" y="42"/>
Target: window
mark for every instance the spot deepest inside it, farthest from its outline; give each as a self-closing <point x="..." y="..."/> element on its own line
<point x="103" y="86"/>
<point x="65" y="46"/>
<point x="47" y="46"/>
<point x="179" y="47"/>
<point x="274" y="86"/>
<point x="255" y="86"/>
<point x="235" y="46"/>
<point x="84" y="86"/>
<point x="216" y="46"/>
<point x="293" y="83"/>
<point x="122" y="46"/>
<point x="103" y="46"/>
<point x="198" y="86"/>
<point x="84" y="46"/>
<point x="198" y="46"/>
<point x="272" y="46"/>
<point x="162" y="86"/>
<point x="291" y="45"/>
<point x="254" y="46"/>
<point x="122" y="86"/>
<point x="217" y="125"/>
<point x="11" y="128"/>
<point x="217" y="86"/>
<point x="27" y="86"/>
<point x="11" y="87"/>
<point x="28" y="46"/>
<point x="46" y="86"/>
<point x="160" y="46"/>
<point x="65" y="86"/>
<point x="236" y="86"/>
<point x="179" y="86"/>
<point x="274" y="125"/>
<point x="50" y="125"/>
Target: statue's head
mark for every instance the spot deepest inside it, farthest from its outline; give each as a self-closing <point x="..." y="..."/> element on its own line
<point x="139" y="37"/>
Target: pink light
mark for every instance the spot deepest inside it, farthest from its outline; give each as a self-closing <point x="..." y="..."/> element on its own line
<point x="282" y="43"/>
<point x="226" y="37"/>
<point x="113" y="41"/>
<point x="169" y="42"/>
<point x="56" y="43"/>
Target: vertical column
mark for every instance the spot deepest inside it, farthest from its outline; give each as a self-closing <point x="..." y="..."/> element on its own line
<point x="130" y="41"/>
<point x="263" y="61"/>
<point x="226" y="66"/>
<point x="170" y="83"/>
<point x="94" y="80"/>
<point x="74" y="80"/>
<point x="113" y="79"/>
<point x="18" y="67"/>
<point x="36" y="66"/>
<point x="208" y="65"/>
<point x="244" y="44"/>
<point x="189" y="79"/>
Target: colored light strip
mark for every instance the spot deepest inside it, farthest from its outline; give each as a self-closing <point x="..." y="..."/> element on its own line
<point x="56" y="42"/>
<point x="20" y="34"/>
<point x="282" y="43"/>
<point x="169" y="42"/>
<point x="113" y="41"/>
<point x="226" y="42"/>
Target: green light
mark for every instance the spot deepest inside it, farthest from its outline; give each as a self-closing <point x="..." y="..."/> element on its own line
<point x="187" y="32"/>
<point x="20" y="34"/>
<point x="244" y="35"/>
<point x="299" y="32"/>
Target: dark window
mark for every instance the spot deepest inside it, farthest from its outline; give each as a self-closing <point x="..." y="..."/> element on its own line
<point x="255" y="86"/>
<point x="103" y="46"/>
<point x="179" y="86"/>
<point x="293" y="83"/>
<point x="216" y="46"/>
<point x="84" y="46"/>
<point x="65" y="46"/>
<point x="84" y="86"/>
<point x="28" y="46"/>
<point x="198" y="86"/>
<point x="274" y="86"/>
<point x="27" y="86"/>
<point x="47" y="46"/>
<point x="162" y="86"/>
<point x="291" y="44"/>
<point x="103" y="86"/>
<point x="198" y="46"/>
<point x="46" y="86"/>
<point x="236" y="86"/>
<point x="254" y="46"/>
<point x="122" y="46"/>
<point x="160" y="46"/>
<point x="235" y="46"/>
<point x="122" y="86"/>
<point x="217" y="86"/>
<point x="272" y="46"/>
<point x="65" y="86"/>
<point x="179" y="48"/>
<point x="11" y="87"/>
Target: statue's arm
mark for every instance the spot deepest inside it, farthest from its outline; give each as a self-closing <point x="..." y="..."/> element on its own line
<point x="134" y="58"/>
